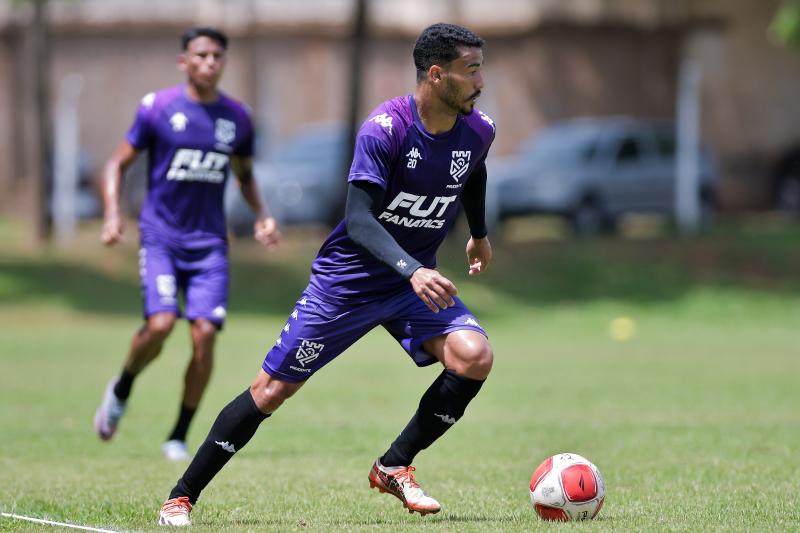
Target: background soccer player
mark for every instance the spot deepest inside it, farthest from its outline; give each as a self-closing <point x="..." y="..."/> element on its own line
<point x="416" y="157"/>
<point x="193" y="134"/>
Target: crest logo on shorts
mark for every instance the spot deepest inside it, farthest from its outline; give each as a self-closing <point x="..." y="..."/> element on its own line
<point x="308" y="351"/>
<point x="165" y="285"/>
<point x="225" y="131"/>
<point x="460" y="163"/>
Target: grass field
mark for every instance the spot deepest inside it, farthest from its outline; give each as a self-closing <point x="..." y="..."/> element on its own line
<point x="694" y="421"/>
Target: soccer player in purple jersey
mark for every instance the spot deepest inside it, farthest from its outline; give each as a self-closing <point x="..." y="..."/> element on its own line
<point x="194" y="134"/>
<point x="416" y="158"/>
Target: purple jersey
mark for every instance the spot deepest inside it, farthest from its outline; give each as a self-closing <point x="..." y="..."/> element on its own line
<point x="189" y="146"/>
<point x="423" y="176"/>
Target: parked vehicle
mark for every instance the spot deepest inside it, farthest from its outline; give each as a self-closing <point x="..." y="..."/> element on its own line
<point x="593" y="171"/>
<point x="301" y="179"/>
<point x="786" y="182"/>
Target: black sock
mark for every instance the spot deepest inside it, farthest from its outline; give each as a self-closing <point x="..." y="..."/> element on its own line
<point x="232" y="429"/>
<point x="441" y="406"/>
<point x="182" y="425"/>
<point x="123" y="387"/>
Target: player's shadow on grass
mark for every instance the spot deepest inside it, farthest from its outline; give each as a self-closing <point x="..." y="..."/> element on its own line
<point x="641" y="272"/>
<point x="400" y="520"/>
<point x="256" y="288"/>
<point x="80" y="287"/>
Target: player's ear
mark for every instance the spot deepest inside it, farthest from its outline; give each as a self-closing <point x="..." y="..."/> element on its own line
<point x="435" y="73"/>
<point x="182" y="62"/>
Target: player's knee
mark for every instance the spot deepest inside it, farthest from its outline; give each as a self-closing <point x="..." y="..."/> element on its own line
<point x="204" y="334"/>
<point x="160" y="325"/>
<point x="475" y="359"/>
<point x="269" y="394"/>
<point x="480" y="361"/>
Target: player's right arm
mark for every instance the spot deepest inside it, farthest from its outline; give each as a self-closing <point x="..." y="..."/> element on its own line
<point x="364" y="199"/>
<point x="115" y="167"/>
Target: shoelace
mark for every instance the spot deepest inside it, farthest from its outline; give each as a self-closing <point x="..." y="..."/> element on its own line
<point x="176" y="506"/>
<point x="406" y="476"/>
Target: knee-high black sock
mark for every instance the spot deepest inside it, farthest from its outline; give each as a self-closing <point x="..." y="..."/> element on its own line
<point x="185" y="416"/>
<point x="123" y="387"/>
<point x="232" y="429"/>
<point x="441" y="406"/>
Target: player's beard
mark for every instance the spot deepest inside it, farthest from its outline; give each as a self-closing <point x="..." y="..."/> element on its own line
<point x="456" y="101"/>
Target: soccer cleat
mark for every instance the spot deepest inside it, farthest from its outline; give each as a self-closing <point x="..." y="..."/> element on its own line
<point x="399" y="482"/>
<point x="175" y="450"/>
<point x="175" y="512"/>
<point x="108" y="414"/>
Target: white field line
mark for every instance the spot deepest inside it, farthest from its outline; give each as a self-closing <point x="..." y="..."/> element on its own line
<point x="51" y="523"/>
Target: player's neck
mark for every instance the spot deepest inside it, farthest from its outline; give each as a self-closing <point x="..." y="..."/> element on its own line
<point x="201" y="95"/>
<point x="436" y="116"/>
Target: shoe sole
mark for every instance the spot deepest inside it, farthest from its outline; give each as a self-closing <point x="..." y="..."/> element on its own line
<point x="163" y="522"/>
<point x="411" y="510"/>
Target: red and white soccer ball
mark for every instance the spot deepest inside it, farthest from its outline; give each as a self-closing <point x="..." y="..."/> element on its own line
<point x="567" y="487"/>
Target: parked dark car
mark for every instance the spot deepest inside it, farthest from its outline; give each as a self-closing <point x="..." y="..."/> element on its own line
<point x="301" y="179"/>
<point x="593" y="171"/>
<point x="786" y="182"/>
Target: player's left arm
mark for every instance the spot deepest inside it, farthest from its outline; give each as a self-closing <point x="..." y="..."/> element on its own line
<point x="266" y="227"/>
<point x="473" y="200"/>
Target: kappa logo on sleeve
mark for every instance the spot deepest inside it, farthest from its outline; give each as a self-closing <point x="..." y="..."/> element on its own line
<point x="308" y="352"/>
<point x="486" y="119"/>
<point x="384" y="119"/>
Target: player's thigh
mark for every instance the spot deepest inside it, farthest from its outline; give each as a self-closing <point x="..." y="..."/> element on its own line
<point x="206" y="282"/>
<point x="315" y="333"/>
<point x="416" y="328"/>
<point x="159" y="279"/>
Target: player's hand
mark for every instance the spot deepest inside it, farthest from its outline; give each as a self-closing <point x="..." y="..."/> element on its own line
<point x="479" y="255"/>
<point x="112" y="229"/>
<point x="432" y="288"/>
<point x="266" y="232"/>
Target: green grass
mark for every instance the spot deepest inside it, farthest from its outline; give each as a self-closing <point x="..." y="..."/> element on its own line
<point x="694" y="422"/>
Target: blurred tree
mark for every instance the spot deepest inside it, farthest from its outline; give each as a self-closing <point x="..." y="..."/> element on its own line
<point x="36" y="112"/>
<point x="358" y="43"/>
<point x="785" y="25"/>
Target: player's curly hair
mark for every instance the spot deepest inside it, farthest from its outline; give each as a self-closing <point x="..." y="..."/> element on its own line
<point x="203" y="31"/>
<point x="438" y="45"/>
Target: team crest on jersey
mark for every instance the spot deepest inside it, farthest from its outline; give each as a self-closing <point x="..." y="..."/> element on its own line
<point x="225" y="131"/>
<point x="460" y="163"/>
<point x="308" y="351"/>
<point x="178" y="121"/>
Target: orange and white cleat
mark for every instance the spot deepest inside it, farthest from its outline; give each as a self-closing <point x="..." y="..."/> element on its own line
<point x="175" y="512"/>
<point x="399" y="482"/>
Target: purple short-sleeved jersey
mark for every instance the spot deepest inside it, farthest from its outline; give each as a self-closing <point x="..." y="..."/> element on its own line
<point x="423" y="176"/>
<point x="189" y="146"/>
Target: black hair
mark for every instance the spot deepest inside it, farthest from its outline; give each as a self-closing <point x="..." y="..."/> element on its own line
<point x="438" y="45"/>
<point x="203" y="31"/>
